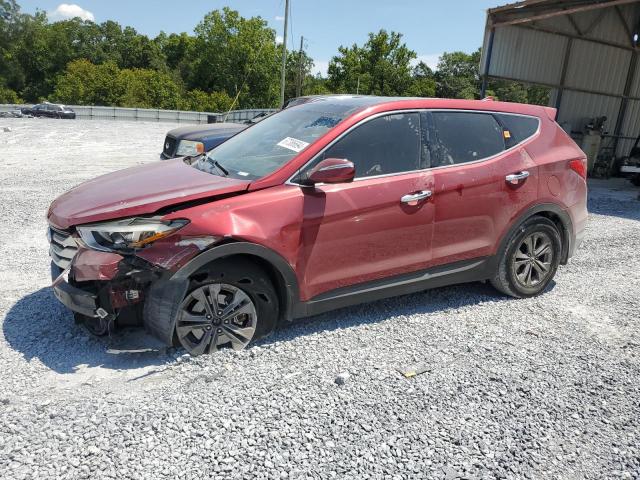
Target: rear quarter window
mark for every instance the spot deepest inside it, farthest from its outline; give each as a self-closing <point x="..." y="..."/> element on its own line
<point x="461" y="137"/>
<point x="519" y="127"/>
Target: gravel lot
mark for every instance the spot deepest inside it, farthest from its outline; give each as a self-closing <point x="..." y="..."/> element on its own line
<point x="541" y="388"/>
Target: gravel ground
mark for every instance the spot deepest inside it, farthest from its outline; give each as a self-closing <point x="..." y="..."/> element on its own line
<point x="547" y="387"/>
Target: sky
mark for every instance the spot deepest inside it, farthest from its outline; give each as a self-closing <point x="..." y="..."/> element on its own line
<point x="430" y="27"/>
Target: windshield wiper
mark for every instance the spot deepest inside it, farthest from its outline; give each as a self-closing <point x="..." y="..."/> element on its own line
<point x="218" y="166"/>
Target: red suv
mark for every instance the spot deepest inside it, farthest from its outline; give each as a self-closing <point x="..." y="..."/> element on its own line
<point x="319" y="206"/>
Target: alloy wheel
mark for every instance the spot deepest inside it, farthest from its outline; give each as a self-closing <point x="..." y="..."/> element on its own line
<point x="532" y="261"/>
<point x="214" y="316"/>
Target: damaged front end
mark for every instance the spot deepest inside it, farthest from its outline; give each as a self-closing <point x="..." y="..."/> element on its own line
<point x="109" y="273"/>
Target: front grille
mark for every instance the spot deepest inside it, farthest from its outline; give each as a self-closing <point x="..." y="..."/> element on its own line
<point x="62" y="247"/>
<point x="169" y="146"/>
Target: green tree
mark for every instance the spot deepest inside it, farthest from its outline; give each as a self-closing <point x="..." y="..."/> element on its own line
<point x="315" y="85"/>
<point x="381" y="67"/>
<point x="179" y="52"/>
<point x="144" y="88"/>
<point x="106" y="84"/>
<point x="424" y="83"/>
<point x="458" y="75"/>
<point x="199" y="101"/>
<point x="8" y="96"/>
<point x="507" y="91"/>
<point x="292" y="73"/>
<point x="238" y="56"/>
<point x="10" y="20"/>
<point x="84" y="83"/>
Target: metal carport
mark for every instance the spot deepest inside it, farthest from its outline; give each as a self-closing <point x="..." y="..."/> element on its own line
<point x="584" y="50"/>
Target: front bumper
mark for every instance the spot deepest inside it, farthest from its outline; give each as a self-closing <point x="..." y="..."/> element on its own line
<point x="74" y="298"/>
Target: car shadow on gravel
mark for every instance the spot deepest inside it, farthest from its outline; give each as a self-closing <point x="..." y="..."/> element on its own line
<point x="38" y="326"/>
<point x="433" y="301"/>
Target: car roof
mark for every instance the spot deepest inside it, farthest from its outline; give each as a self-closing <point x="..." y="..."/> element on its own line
<point x="355" y="103"/>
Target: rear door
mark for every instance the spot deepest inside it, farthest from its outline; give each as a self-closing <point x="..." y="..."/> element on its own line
<point x="467" y="156"/>
<point x="521" y="173"/>
<point x="368" y="229"/>
<point x="50" y="111"/>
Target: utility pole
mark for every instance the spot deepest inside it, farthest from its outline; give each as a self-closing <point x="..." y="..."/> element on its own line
<point x="284" y="52"/>
<point x="300" y="78"/>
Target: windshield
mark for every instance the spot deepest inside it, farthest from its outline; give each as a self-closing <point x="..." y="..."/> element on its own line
<point x="269" y="144"/>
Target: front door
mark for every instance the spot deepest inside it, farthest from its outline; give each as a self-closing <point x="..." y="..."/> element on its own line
<point x="378" y="226"/>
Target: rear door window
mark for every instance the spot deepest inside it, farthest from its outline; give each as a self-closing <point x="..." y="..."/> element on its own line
<point x="384" y="145"/>
<point x="460" y="137"/>
<point x="517" y="128"/>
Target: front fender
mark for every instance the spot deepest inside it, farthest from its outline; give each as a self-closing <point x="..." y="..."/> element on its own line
<point x="165" y="295"/>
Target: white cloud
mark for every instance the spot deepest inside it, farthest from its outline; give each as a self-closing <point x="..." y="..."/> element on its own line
<point x="65" y="11"/>
<point x="431" y="59"/>
<point x="279" y="18"/>
<point x="321" y="67"/>
<point x="279" y="40"/>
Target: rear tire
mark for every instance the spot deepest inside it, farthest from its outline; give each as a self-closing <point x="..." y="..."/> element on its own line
<point x="530" y="259"/>
<point x="230" y="303"/>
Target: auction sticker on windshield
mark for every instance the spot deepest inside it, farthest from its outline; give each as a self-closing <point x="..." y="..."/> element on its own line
<point x="293" y="144"/>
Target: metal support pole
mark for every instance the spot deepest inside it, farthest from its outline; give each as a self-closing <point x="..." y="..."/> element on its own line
<point x="622" y="113"/>
<point x="284" y="52"/>
<point x="487" y="65"/>
<point x="300" y="74"/>
<point x="563" y="75"/>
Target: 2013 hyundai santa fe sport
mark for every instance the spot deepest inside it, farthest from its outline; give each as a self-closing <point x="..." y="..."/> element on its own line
<point x="317" y="207"/>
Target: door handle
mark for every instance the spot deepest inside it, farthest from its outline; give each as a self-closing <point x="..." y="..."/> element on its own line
<point x="415" y="197"/>
<point x="515" y="178"/>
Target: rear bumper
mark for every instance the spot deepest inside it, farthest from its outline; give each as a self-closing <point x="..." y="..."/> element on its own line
<point x="577" y="226"/>
<point x="577" y="241"/>
<point x="74" y="298"/>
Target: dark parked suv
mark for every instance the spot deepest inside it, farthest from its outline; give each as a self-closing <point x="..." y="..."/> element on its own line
<point x="50" y="110"/>
<point x="317" y="207"/>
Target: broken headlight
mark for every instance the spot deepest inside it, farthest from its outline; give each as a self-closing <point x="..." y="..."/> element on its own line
<point x="127" y="234"/>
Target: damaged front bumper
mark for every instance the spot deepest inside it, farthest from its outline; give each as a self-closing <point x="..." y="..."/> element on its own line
<point x="138" y="288"/>
<point x="76" y="299"/>
<point x="98" y="285"/>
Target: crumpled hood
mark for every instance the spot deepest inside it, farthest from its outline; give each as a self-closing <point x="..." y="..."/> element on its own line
<point x="137" y="191"/>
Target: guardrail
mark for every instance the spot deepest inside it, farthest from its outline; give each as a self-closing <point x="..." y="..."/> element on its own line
<point x="153" y="115"/>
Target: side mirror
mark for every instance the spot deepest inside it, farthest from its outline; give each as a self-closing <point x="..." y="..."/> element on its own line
<point x="331" y="170"/>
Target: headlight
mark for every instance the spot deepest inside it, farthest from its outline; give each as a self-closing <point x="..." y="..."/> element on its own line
<point x="127" y="234"/>
<point x="188" y="147"/>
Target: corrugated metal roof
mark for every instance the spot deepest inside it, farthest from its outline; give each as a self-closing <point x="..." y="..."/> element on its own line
<point x="560" y="24"/>
<point x="597" y="67"/>
<point x="516" y="54"/>
<point x="610" y="27"/>
<point x="599" y="61"/>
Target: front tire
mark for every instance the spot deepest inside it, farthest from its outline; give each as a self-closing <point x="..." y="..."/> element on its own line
<point x="530" y="259"/>
<point x="231" y="303"/>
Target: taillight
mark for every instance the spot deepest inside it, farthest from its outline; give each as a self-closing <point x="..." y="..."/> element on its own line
<point x="579" y="166"/>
